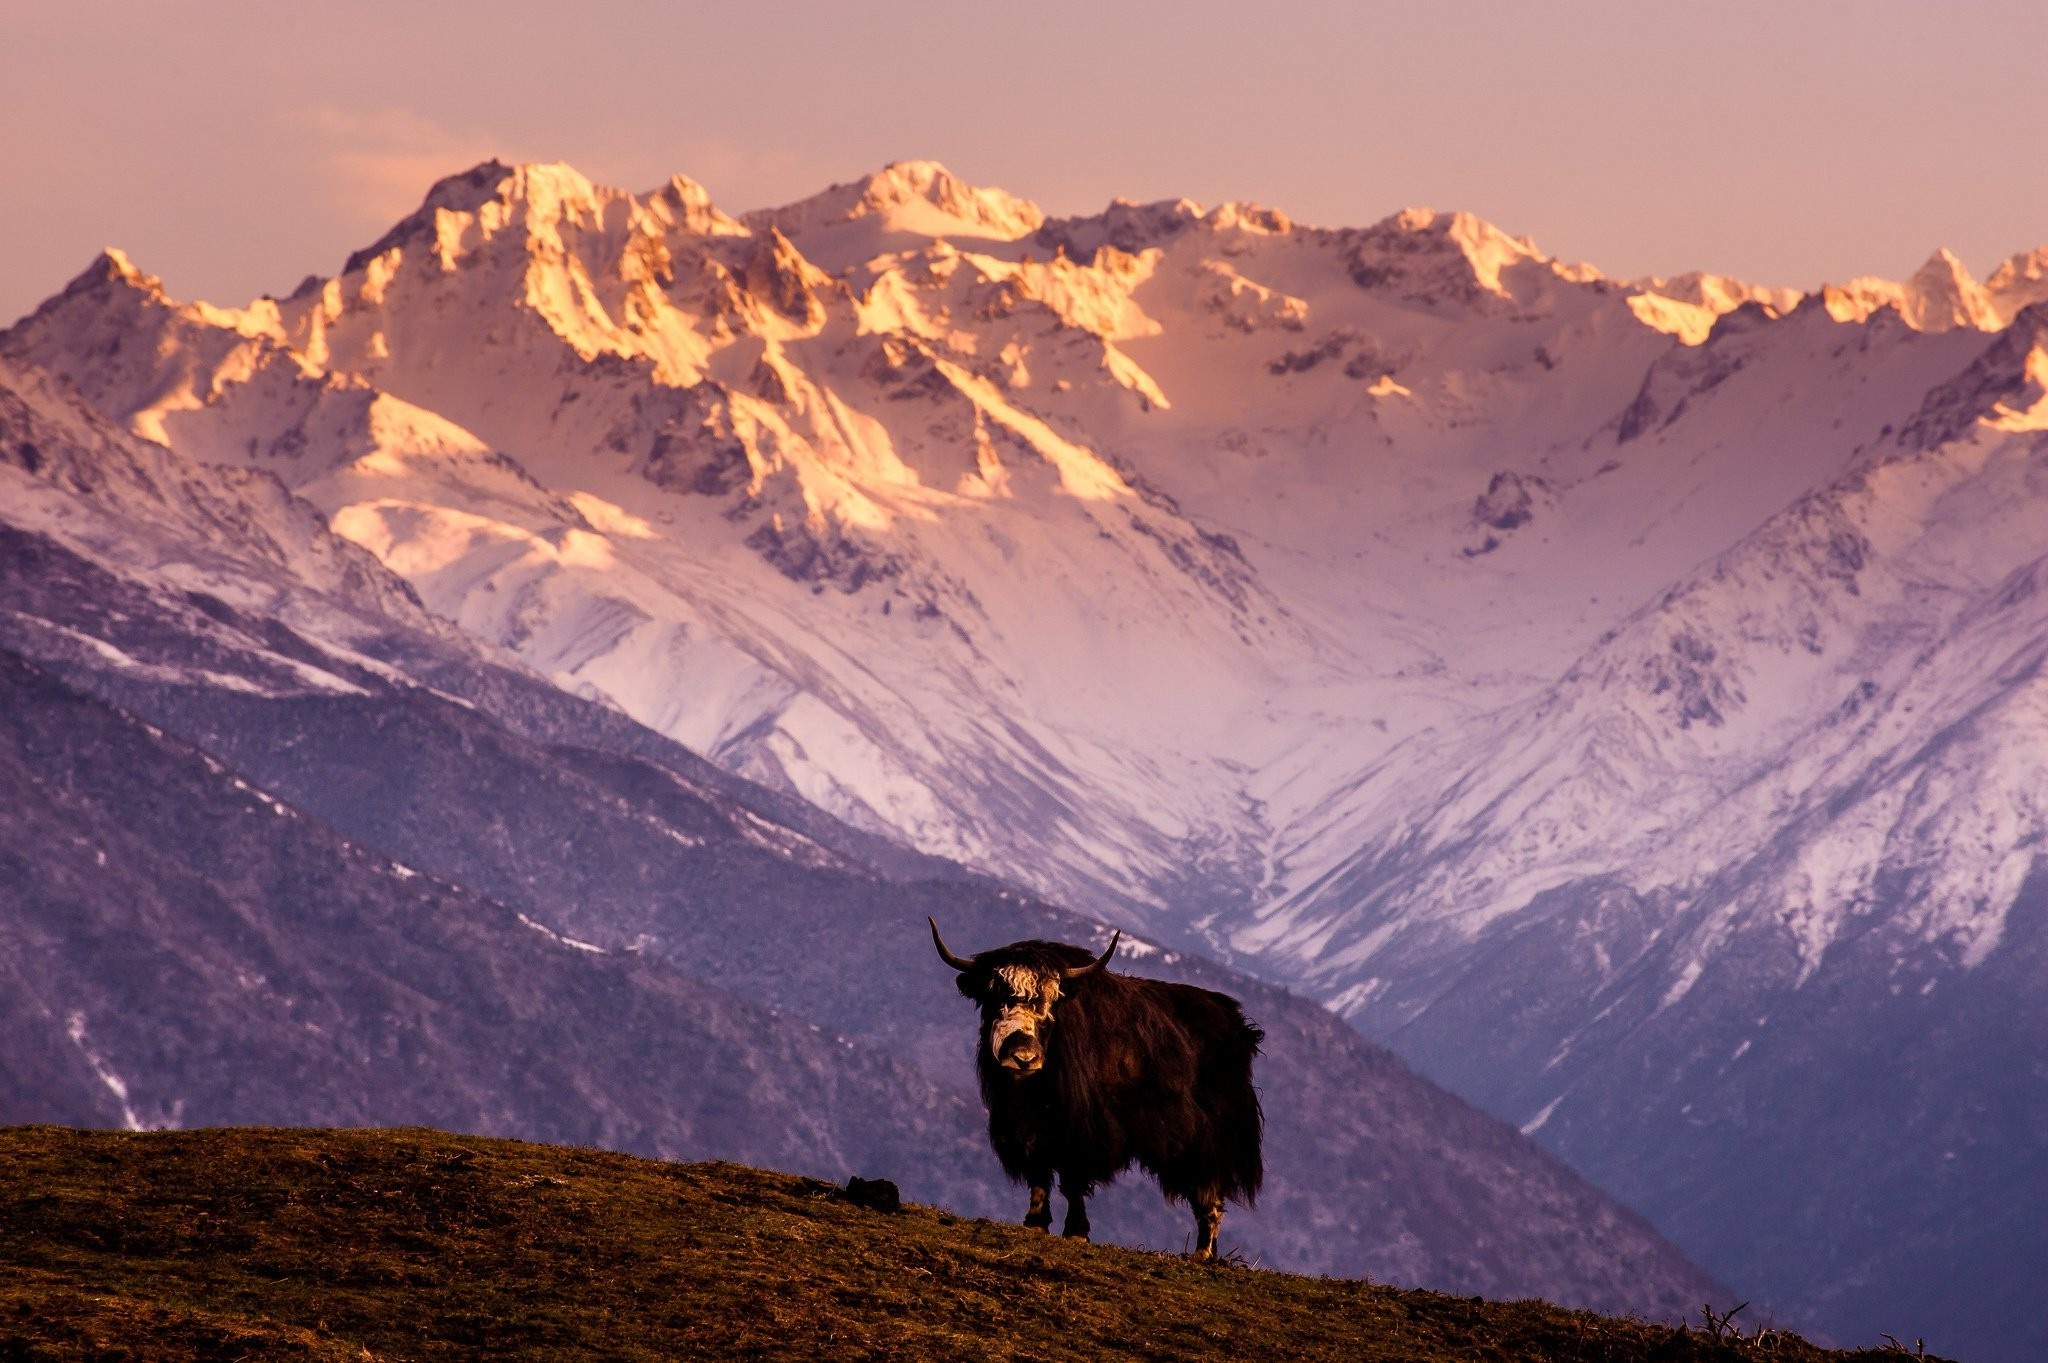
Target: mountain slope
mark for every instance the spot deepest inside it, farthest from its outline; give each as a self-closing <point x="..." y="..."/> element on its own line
<point x="183" y="948"/>
<point x="1772" y="851"/>
<point x="332" y="1244"/>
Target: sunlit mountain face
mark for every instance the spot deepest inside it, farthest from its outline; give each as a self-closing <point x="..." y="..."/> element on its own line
<point x="1620" y="697"/>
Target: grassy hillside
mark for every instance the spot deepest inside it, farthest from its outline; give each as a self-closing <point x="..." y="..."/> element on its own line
<point x="315" y="1244"/>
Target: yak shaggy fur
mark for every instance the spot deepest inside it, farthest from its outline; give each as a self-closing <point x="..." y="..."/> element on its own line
<point x="1136" y="1071"/>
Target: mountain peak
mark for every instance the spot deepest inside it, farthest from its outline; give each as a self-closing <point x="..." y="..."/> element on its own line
<point x="914" y="175"/>
<point x="921" y="197"/>
<point x="1690" y="305"/>
<point x="1247" y="216"/>
<point x="464" y="192"/>
<point x="1942" y="273"/>
<point x="1940" y="296"/>
<point x="1943" y="294"/>
<point x="902" y="183"/>
<point x="110" y="276"/>
<point x="2020" y="268"/>
<point x="1457" y="225"/>
<point x="684" y="193"/>
<point x="1125" y="225"/>
<point x="1414" y="218"/>
<point x="1718" y="293"/>
<point x="548" y="192"/>
<point x="549" y="188"/>
<point x="113" y="263"/>
<point x="555" y="180"/>
<point x="1425" y="255"/>
<point x="687" y="204"/>
<point x="112" y="268"/>
<point x="468" y="190"/>
<point x="2021" y="281"/>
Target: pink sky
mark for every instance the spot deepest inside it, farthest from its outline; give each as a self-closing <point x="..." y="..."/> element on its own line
<point x="234" y="148"/>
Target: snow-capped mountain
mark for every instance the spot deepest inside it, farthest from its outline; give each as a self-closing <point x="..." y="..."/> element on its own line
<point x="1749" y="898"/>
<point x="1088" y="551"/>
<point x="766" y="516"/>
<point x="280" y="848"/>
<point x="1557" y="673"/>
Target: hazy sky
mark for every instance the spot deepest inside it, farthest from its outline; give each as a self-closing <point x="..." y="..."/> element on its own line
<point x="234" y="148"/>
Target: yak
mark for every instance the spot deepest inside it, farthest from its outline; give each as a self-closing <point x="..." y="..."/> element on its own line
<point x="1086" y="1072"/>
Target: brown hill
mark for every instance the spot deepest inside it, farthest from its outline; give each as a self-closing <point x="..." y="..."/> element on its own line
<point x="365" y="1245"/>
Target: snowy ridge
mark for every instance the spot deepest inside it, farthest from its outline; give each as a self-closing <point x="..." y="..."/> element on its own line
<point x="906" y="203"/>
<point x="832" y="492"/>
<point x="1831" y="649"/>
<point x="234" y="533"/>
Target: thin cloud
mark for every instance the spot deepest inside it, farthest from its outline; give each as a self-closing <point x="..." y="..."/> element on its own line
<point x="376" y="164"/>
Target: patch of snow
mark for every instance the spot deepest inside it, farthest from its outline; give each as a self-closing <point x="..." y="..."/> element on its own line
<point x="1688" y="976"/>
<point x="1535" y="1123"/>
<point x="75" y="1028"/>
<point x="558" y="938"/>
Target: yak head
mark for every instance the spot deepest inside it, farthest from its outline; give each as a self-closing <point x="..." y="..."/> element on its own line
<point x="1018" y="988"/>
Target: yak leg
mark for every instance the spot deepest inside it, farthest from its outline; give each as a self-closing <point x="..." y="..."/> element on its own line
<point x="1208" y="1224"/>
<point x="1039" y="1216"/>
<point x="1077" y="1190"/>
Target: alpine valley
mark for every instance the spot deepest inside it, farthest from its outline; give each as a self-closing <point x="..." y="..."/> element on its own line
<point x="1622" y="699"/>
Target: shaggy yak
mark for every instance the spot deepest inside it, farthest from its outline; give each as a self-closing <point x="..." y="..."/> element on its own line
<point x="1085" y="1071"/>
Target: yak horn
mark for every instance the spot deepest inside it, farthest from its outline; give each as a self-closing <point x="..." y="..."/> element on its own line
<point x="1076" y="972"/>
<point x="957" y="962"/>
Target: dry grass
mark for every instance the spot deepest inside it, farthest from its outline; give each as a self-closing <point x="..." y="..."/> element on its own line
<point x="308" y="1244"/>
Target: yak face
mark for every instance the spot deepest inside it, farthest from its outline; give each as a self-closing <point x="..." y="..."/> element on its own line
<point x="1018" y="987"/>
<point x="1017" y="1015"/>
